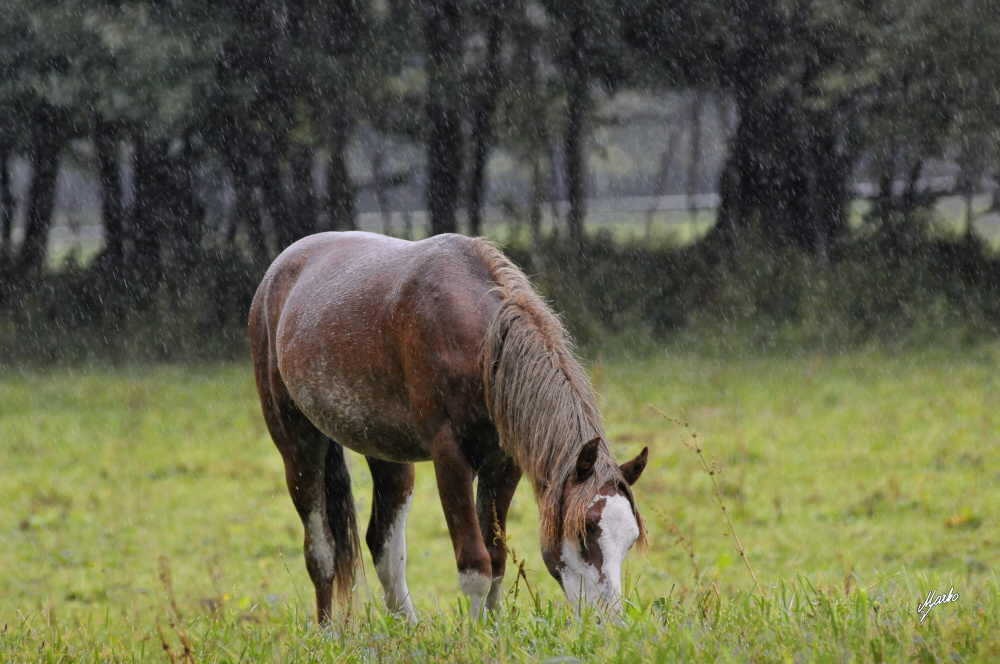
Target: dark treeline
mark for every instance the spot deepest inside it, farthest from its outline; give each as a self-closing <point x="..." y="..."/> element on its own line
<point x="152" y="97"/>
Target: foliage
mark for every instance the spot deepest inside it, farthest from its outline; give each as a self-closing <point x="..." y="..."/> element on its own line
<point x="826" y="89"/>
<point x="891" y="285"/>
<point x="74" y="314"/>
<point x="231" y="123"/>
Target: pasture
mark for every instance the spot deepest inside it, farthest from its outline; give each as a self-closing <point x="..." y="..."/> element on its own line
<point x="144" y="517"/>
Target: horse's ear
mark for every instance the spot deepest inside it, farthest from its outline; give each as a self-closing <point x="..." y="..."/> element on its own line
<point x="588" y="457"/>
<point x="633" y="469"/>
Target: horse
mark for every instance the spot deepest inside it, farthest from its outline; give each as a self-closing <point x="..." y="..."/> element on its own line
<point x="438" y="350"/>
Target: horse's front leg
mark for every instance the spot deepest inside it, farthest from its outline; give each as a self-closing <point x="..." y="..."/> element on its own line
<point x="497" y="481"/>
<point x="454" y="480"/>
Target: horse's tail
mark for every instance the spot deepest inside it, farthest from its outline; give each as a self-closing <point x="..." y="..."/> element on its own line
<point x="340" y="515"/>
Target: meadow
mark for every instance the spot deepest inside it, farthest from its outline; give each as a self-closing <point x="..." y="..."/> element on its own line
<point x="144" y="517"/>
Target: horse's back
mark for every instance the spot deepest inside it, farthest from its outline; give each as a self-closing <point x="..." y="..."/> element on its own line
<point x="376" y="339"/>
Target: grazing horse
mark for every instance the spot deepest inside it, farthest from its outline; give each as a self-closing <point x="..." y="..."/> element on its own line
<point x="435" y="350"/>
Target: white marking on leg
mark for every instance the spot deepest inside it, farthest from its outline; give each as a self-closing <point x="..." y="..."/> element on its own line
<point x="475" y="585"/>
<point x="320" y="550"/>
<point x="391" y="565"/>
<point x="496" y="591"/>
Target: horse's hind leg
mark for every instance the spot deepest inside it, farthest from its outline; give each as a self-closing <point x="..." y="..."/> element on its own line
<point x="304" y="450"/>
<point x="315" y="470"/>
<point x="392" y="492"/>
<point x="305" y="456"/>
<point x="498" y="480"/>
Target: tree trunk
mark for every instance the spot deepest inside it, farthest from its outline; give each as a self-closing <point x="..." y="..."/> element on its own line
<point x="524" y="38"/>
<point x="772" y="181"/>
<point x="887" y="166"/>
<point x="995" y="198"/>
<point x="303" y="218"/>
<point x="379" y="186"/>
<point x="483" y="108"/>
<point x="47" y="144"/>
<point x="833" y="164"/>
<point x="150" y="176"/>
<point x="340" y="189"/>
<point x="277" y="100"/>
<point x="553" y="190"/>
<point x="189" y="209"/>
<point x="729" y="215"/>
<point x="693" y="174"/>
<point x="442" y="32"/>
<point x="6" y="207"/>
<point x="662" y="177"/>
<point x="106" y="137"/>
<point x="246" y="212"/>
<point x="807" y="224"/>
<point x="577" y="100"/>
<point x="181" y="221"/>
<point x="908" y="201"/>
<point x="733" y="213"/>
<point x="272" y="190"/>
<point x="407" y="224"/>
<point x="786" y="173"/>
<point x="538" y="183"/>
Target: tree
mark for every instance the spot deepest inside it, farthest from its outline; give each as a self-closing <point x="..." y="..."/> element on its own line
<point x="19" y="54"/>
<point x="799" y="76"/>
<point x="442" y="23"/>
<point x="938" y="102"/>
<point x="149" y="65"/>
<point x="38" y="91"/>
<point x="483" y="106"/>
<point x="589" y="54"/>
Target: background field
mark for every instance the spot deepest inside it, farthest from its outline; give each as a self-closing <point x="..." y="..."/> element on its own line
<point x="141" y="497"/>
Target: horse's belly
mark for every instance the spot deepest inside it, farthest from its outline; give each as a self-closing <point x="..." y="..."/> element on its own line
<point x="349" y="416"/>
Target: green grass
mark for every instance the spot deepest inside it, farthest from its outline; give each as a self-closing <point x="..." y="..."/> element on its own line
<point x="148" y="500"/>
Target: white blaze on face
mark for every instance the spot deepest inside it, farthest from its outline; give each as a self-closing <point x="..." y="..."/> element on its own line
<point x="583" y="581"/>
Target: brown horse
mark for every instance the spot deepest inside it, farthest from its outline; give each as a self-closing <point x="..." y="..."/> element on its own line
<point x="435" y="350"/>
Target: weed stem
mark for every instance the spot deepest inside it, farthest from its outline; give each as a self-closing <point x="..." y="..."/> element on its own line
<point x="712" y="471"/>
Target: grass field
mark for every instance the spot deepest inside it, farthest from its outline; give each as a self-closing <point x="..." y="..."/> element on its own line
<point x="145" y="507"/>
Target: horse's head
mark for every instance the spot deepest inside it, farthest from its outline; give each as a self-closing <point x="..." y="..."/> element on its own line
<point x="588" y="565"/>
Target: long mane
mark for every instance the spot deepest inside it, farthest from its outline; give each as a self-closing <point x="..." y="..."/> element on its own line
<point x="542" y="403"/>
